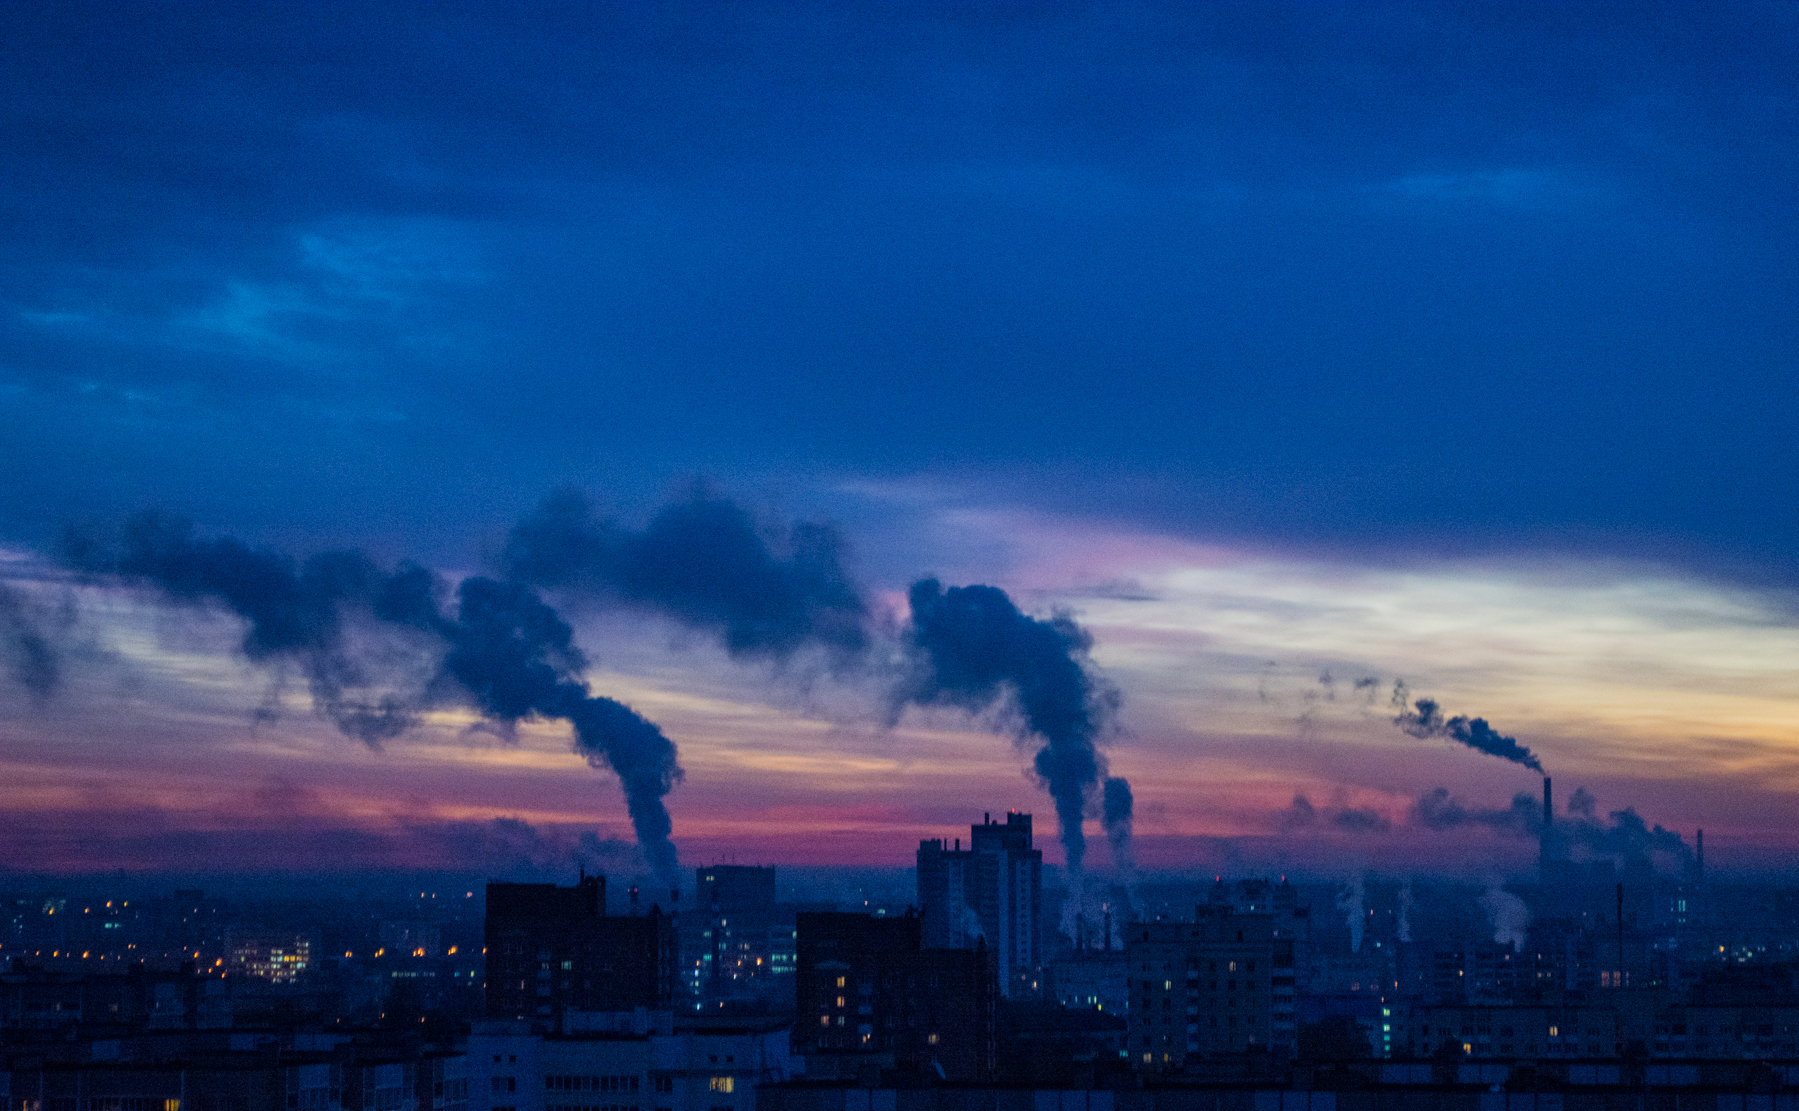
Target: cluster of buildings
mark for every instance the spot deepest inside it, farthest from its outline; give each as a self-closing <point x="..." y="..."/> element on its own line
<point x="1587" y="985"/>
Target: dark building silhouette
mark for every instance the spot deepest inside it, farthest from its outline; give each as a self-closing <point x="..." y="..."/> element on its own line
<point x="870" y="998"/>
<point x="39" y="999"/>
<point x="554" y="949"/>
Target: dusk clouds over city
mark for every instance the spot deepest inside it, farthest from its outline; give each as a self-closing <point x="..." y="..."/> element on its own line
<point x="462" y="437"/>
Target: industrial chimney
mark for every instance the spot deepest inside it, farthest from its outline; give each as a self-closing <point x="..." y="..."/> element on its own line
<point x="1545" y="841"/>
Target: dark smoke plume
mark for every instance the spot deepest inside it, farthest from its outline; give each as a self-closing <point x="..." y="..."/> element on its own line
<point x="296" y="614"/>
<point x="704" y="562"/>
<point x="971" y="646"/>
<point x="1115" y="815"/>
<point x="1300" y="815"/>
<point x="1436" y="809"/>
<point x="1626" y="836"/>
<point x="1426" y="720"/>
<point x="517" y="658"/>
<point x="1303" y="815"/>
<point x="31" y="658"/>
<point x="504" y="652"/>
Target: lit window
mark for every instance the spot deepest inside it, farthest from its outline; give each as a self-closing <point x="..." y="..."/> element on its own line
<point x="840" y="983"/>
<point x="724" y="1083"/>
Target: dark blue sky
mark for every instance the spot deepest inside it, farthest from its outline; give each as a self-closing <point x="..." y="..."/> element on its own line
<point x="1389" y="279"/>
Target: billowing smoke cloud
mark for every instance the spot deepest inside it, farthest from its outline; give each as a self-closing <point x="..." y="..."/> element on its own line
<point x="294" y="614"/>
<point x="1359" y="820"/>
<point x="1345" y="819"/>
<point x="970" y="646"/>
<point x="504" y="652"/>
<point x="377" y="646"/>
<point x="30" y="656"/>
<point x="704" y="562"/>
<point x="1424" y="718"/>
<point x="515" y="849"/>
<point x="1624" y="836"/>
<point x="518" y="659"/>
<point x="1116" y="817"/>
<point x="1300" y="815"/>
<point x="1436" y="809"/>
<point x="1510" y="915"/>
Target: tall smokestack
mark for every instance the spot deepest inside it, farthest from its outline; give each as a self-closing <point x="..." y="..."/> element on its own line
<point x="1699" y="843"/>
<point x="1544" y="851"/>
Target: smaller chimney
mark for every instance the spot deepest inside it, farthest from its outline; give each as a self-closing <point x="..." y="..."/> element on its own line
<point x="1108" y="945"/>
<point x="1700" y="838"/>
<point x="1618" y="978"/>
<point x="633" y="898"/>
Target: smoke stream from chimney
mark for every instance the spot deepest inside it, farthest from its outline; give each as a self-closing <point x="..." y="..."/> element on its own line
<point x="1424" y="718"/>
<point x="1115" y="815"/>
<point x="379" y="646"/>
<point x="1624" y="835"/>
<point x="970" y="646"/>
<point x="504" y="652"/>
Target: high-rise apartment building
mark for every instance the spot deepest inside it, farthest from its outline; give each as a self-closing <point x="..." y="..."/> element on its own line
<point x="869" y="997"/>
<point x="551" y="950"/>
<point x="736" y="941"/>
<point x="1203" y="988"/>
<point x="992" y="892"/>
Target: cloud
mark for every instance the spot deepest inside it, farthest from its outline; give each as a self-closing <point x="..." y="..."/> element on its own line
<point x="1514" y="188"/>
<point x="1302" y="815"/>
